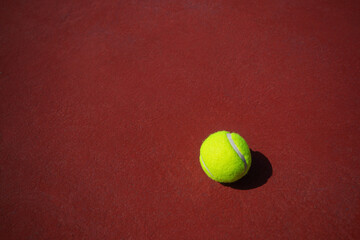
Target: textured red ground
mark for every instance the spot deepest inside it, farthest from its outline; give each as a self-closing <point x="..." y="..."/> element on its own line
<point x="104" y="106"/>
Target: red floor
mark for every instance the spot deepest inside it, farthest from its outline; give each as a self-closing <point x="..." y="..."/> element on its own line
<point x="104" y="106"/>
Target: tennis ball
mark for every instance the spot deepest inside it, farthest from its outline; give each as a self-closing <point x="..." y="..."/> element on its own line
<point x="225" y="157"/>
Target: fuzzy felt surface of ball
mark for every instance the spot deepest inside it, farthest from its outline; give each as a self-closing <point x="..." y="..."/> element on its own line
<point x="225" y="157"/>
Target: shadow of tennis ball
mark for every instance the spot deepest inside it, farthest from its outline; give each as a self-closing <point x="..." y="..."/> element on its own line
<point x="259" y="173"/>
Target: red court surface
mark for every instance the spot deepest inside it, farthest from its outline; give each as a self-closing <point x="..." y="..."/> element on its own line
<point x="104" y="106"/>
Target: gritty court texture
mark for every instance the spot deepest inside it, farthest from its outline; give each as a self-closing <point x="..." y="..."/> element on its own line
<point x="104" y="106"/>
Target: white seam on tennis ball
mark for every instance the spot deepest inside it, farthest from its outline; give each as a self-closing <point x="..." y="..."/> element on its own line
<point x="205" y="166"/>
<point x="236" y="149"/>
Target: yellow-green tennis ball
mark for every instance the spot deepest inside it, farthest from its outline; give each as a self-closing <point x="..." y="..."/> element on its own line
<point x="225" y="157"/>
